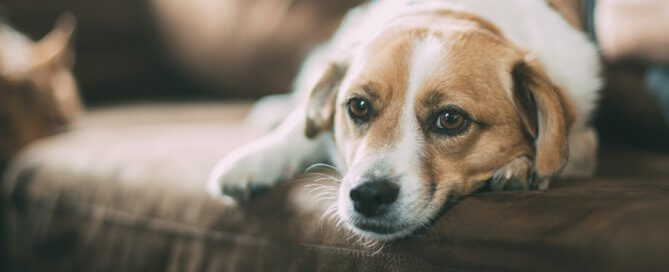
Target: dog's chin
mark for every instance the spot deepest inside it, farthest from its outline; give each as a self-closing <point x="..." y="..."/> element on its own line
<point x="380" y="231"/>
<point x="384" y="228"/>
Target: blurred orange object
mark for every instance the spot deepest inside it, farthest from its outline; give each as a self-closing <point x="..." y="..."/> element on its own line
<point x="38" y="93"/>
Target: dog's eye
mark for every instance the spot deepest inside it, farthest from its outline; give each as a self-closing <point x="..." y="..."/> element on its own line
<point x="451" y="121"/>
<point x="359" y="109"/>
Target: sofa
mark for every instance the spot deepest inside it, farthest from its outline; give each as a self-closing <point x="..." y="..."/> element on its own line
<point x="124" y="191"/>
<point x="123" y="188"/>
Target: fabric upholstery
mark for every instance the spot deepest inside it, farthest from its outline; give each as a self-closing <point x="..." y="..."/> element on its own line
<point x="125" y="192"/>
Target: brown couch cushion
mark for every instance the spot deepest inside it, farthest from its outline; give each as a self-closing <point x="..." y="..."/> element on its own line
<point x="124" y="192"/>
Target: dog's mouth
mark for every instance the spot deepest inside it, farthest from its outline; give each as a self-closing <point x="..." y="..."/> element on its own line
<point x="378" y="228"/>
<point x="389" y="228"/>
<point x="381" y="229"/>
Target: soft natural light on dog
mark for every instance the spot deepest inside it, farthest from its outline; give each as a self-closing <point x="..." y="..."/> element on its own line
<point x="377" y="93"/>
<point x="346" y="135"/>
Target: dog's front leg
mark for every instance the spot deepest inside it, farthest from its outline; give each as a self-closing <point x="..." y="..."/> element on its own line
<point x="258" y="165"/>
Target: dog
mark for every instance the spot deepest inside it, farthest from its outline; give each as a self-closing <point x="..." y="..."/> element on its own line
<point x="420" y="103"/>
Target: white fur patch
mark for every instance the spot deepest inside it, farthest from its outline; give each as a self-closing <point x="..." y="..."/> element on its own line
<point x="426" y="57"/>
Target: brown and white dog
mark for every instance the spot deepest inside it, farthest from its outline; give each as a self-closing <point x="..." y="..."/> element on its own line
<point x="421" y="102"/>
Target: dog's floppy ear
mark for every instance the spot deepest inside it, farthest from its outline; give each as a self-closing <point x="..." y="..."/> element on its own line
<point x="321" y="105"/>
<point x="546" y="115"/>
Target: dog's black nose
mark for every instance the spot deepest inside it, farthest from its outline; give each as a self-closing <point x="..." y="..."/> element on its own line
<point x="370" y="198"/>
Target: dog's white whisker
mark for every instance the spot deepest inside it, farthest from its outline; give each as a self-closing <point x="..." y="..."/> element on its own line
<point x="339" y="223"/>
<point x="325" y="175"/>
<point x="315" y="190"/>
<point x="360" y="239"/>
<point x="378" y="251"/>
<point x="323" y="199"/>
<point x="317" y="177"/>
<point x="335" y="226"/>
<point x="373" y="243"/>
<point x="323" y="165"/>
<point x="321" y="194"/>
<point x="368" y="242"/>
<point x="333" y="178"/>
<point x="363" y="241"/>
<point x="327" y="178"/>
<point x="332" y="217"/>
<point x="326" y="196"/>
<point x="316" y="187"/>
<point x="320" y="177"/>
<point x="326" y="199"/>
<point x="324" y="193"/>
<point x="332" y="208"/>
<point x="330" y="211"/>
<point x="328" y="214"/>
<point x="310" y="185"/>
<point x="348" y="239"/>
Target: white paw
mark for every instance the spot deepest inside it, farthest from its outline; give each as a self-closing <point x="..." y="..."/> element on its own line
<point x="249" y="171"/>
<point x="515" y="176"/>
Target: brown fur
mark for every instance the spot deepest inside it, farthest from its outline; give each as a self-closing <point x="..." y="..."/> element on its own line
<point x="386" y="75"/>
<point x="320" y="112"/>
<point x="556" y="116"/>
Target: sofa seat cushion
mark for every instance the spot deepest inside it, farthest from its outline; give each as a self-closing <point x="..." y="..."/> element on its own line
<point x="124" y="191"/>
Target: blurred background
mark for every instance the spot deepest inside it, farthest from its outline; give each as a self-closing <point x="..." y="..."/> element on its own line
<point x="162" y="48"/>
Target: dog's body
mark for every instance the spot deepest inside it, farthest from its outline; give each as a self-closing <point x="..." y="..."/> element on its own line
<point x="420" y="102"/>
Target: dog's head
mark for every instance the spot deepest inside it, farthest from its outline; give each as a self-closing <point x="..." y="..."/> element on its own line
<point x="424" y="114"/>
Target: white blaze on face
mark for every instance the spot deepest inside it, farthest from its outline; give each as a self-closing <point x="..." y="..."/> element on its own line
<point x="401" y="159"/>
<point x="427" y="56"/>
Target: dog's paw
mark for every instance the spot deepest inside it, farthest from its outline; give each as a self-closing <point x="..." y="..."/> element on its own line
<point x="248" y="172"/>
<point x="515" y="176"/>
